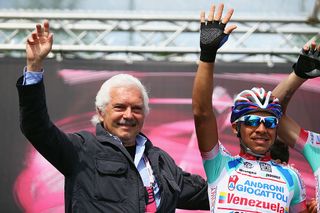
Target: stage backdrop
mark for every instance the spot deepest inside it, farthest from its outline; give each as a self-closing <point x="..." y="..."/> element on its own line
<point x="30" y="184"/>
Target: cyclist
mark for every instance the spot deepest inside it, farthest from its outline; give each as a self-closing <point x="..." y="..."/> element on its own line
<point x="250" y="181"/>
<point x="305" y="142"/>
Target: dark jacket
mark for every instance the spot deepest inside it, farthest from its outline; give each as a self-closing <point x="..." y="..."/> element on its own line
<point x="100" y="175"/>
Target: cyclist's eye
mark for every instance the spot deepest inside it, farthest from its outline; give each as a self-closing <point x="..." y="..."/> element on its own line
<point x="255" y="120"/>
<point x="270" y="122"/>
<point x="252" y="121"/>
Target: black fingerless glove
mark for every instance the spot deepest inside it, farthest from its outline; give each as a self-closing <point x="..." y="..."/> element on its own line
<point x="212" y="38"/>
<point x="308" y="64"/>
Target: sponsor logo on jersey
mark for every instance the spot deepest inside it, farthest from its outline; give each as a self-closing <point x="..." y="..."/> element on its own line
<point x="233" y="179"/>
<point x="317" y="140"/>
<point x="239" y="201"/>
<point x="273" y="176"/>
<point x="314" y="138"/>
<point x="213" y="194"/>
<point x="265" y="190"/>
<point x="248" y="172"/>
<point x="223" y="197"/>
<point x="265" y="167"/>
<point x="248" y="165"/>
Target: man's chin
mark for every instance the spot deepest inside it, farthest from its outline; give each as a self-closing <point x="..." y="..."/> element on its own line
<point x="127" y="138"/>
<point x="261" y="151"/>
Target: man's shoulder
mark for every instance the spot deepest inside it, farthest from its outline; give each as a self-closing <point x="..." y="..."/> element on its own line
<point x="83" y="135"/>
<point x="287" y="169"/>
<point x="155" y="150"/>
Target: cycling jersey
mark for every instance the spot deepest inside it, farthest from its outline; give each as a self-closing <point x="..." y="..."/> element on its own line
<point x="238" y="184"/>
<point x="308" y="145"/>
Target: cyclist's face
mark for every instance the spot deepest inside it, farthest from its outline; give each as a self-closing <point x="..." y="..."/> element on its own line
<point x="258" y="138"/>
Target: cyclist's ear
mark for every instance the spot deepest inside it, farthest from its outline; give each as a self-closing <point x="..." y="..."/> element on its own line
<point x="236" y="129"/>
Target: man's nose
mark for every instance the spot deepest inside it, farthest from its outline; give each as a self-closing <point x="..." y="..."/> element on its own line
<point x="261" y="127"/>
<point x="128" y="113"/>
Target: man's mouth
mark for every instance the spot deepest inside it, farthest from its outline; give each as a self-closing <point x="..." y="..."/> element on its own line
<point x="261" y="139"/>
<point x="129" y="123"/>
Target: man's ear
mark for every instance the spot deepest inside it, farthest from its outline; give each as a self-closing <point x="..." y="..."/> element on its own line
<point x="100" y="114"/>
<point x="235" y="129"/>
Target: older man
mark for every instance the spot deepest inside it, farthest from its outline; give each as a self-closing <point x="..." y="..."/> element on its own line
<point x="117" y="169"/>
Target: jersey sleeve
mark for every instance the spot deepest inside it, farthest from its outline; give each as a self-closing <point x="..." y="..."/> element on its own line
<point x="308" y="144"/>
<point x="298" y="202"/>
<point x="215" y="161"/>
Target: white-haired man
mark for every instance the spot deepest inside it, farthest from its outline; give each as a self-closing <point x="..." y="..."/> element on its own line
<point x="117" y="169"/>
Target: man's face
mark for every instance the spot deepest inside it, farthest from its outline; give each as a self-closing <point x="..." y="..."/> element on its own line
<point x="124" y="114"/>
<point x="258" y="138"/>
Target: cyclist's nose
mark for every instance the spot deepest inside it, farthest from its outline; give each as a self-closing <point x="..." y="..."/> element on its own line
<point x="261" y="127"/>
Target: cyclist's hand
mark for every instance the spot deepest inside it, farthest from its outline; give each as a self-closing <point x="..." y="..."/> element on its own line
<point x="213" y="33"/>
<point x="308" y="64"/>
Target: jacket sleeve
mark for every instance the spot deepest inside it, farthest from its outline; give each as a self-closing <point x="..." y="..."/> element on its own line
<point x="193" y="188"/>
<point x="52" y="143"/>
<point x="194" y="191"/>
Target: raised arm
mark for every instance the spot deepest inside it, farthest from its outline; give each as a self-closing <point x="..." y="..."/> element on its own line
<point x="38" y="46"/>
<point x="52" y="143"/>
<point x="212" y="36"/>
<point x="288" y="129"/>
<point x="307" y="66"/>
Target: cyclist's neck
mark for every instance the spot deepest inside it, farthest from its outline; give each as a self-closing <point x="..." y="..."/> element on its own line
<point x="250" y="156"/>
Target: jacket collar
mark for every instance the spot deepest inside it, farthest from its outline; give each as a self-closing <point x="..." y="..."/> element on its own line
<point x="150" y="151"/>
<point x="104" y="136"/>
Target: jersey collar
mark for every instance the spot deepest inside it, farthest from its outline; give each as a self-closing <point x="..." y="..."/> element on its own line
<point x="251" y="157"/>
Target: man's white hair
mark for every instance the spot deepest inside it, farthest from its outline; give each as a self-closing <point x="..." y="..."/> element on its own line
<point x="120" y="80"/>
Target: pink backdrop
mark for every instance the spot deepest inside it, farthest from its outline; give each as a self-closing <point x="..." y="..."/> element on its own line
<point x="39" y="186"/>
